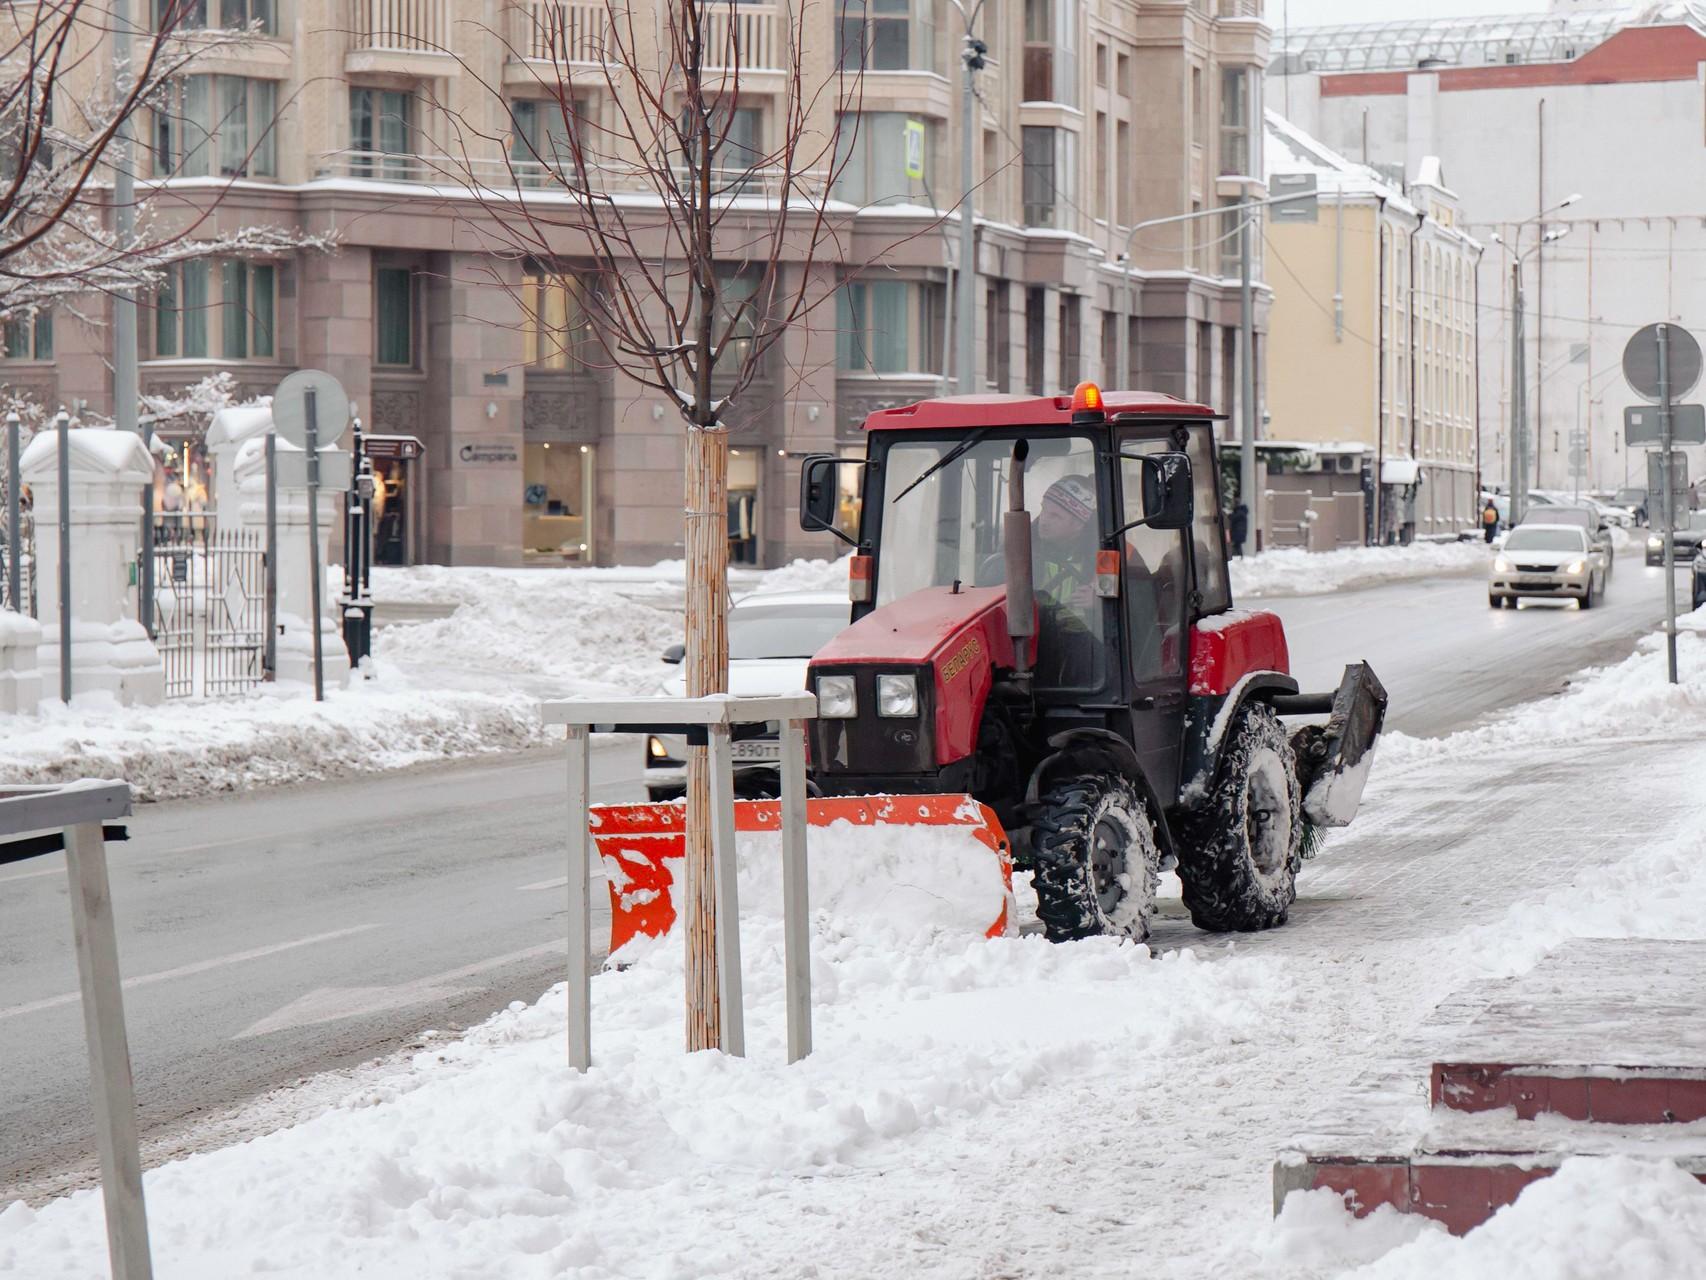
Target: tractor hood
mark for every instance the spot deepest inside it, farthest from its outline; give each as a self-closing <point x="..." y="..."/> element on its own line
<point x="954" y="641"/>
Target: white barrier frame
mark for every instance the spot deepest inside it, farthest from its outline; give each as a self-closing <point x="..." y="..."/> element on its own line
<point x="74" y="816"/>
<point x="711" y="719"/>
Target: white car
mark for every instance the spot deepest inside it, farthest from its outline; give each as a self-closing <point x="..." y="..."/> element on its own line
<point x="772" y="637"/>
<point x="1547" y="561"/>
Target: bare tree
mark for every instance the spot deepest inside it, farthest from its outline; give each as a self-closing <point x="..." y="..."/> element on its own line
<point x="696" y="240"/>
<point x="64" y="110"/>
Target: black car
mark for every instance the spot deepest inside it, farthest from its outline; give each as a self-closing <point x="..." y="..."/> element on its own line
<point x="1691" y="532"/>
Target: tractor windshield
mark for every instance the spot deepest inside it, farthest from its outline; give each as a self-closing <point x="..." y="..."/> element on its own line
<point x="948" y="529"/>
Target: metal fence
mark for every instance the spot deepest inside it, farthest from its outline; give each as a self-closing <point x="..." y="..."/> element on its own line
<point x="209" y="606"/>
<point x="26" y="601"/>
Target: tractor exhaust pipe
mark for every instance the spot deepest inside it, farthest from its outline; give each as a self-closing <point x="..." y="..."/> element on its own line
<point x="1016" y="548"/>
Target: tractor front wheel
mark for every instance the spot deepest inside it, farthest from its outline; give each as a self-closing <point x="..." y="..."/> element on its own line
<point x="1242" y="848"/>
<point x="1097" y="862"/>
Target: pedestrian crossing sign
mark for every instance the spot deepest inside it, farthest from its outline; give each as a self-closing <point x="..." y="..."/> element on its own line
<point x="915" y="148"/>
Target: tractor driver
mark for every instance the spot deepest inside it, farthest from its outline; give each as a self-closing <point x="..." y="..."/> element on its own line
<point x="1064" y="565"/>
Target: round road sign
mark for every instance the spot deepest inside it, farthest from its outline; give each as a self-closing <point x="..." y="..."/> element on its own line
<point x="1641" y="362"/>
<point x="331" y="408"/>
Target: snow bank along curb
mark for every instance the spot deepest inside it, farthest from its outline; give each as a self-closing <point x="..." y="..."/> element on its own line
<point x="462" y="685"/>
<point x="1291" y="571"/>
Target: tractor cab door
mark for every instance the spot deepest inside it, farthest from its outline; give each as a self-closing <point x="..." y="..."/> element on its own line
<point x="1154" y="593"/>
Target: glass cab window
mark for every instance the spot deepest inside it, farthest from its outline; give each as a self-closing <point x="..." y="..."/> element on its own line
<point x="1156" y="576"/>
<point x="948" y="529"/>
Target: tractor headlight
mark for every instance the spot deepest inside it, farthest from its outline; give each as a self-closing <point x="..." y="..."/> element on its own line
<point x="897" y="696"/>
<point x="1575" y="566"/>
<point x="836" y="698"/>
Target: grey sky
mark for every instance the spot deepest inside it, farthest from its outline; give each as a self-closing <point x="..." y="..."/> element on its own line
<point x="1311" y="13"/>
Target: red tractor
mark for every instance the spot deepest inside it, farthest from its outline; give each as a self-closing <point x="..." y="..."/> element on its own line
<point x="1042" y="619"/>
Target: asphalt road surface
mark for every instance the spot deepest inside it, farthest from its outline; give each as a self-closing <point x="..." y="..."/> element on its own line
<point x="271" y="936"/>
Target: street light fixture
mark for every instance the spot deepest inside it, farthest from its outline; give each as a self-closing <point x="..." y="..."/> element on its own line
<point x="1519" y="387"/>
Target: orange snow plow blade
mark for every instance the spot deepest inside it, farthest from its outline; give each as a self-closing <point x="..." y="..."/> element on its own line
<point x="637" y="844"/>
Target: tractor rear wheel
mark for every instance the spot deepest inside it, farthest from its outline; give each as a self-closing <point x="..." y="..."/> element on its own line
<point x="1096" y="859"/>
<point x="1242" y="848"/>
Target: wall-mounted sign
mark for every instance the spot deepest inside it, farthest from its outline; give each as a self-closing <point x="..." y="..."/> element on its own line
<point x="488" y="453"/>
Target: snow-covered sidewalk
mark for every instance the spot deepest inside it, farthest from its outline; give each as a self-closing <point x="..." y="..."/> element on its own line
<point x="1291" y="571"/>
<point x="981" y="1108"/>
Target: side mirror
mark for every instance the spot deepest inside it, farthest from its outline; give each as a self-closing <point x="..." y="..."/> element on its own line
<point x="818" y="492"/>
<point x="1167" y="499"/>
<point x="674" y="654"/>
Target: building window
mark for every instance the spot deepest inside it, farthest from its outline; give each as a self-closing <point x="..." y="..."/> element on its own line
<point x="1124" y="183"/>
<point x="1199" y="109"/>
<point x="889" y="326"/>
<point x="199" y="15"/>
<point x="246" y="294"/>
<point x="885" y="35"/>
<point x="1101" y="66"/>
<point x="381" y="132"/>
<point x="996" y="337"/>
<point x="394" y="316"/>
<point x="1101" y="164"/>
<point x="27" y="337"/>
<point x="738" y="134"/>
<point x="1048" y="170"/>
<point x="1122" y="75"/>
<point x="1071" y="339"/>
<point x="1051" y="51"/>
<point x="1235" y="120"/>
<point x="557" y="498"/>
<point x="1036" y="339"/>
<point x="539" y="143"/>
<point x="558" y="332"/>
<point x="216" y="126"/>
<point x="872" y="151"/>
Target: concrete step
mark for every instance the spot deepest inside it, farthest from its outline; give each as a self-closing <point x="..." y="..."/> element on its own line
<point x="1599" y="1050"/>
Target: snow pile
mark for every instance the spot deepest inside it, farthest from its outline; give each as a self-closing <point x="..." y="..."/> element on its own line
<point x="1292" y="571"/>
<point x="1629" y="698"/>
<point x="1592" y="1220"/>
<point x="466" y="684"/>
<point x="489" y="1158"/>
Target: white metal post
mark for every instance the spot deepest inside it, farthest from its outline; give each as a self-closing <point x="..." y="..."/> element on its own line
<point x="580" y="906"/>
<point x="796" y="898"/>
<point x="109" y="1051"/>
<point x="723" y="863"/>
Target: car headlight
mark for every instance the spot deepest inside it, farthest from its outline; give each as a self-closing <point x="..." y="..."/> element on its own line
<point x="1653" y="544"/>
<point x="1501" y="565"/>
<point x="897" y="696"/>
<point x="656" y="750"/>
<point x="837" y="698"/>
<point x="1575" y="566"/>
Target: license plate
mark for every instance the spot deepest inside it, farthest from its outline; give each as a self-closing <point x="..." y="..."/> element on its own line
<point x="753" y="750"/>
<point x="1534" y="582"/>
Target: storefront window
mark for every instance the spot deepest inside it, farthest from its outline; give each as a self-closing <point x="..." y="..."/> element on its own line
<point x="557" y="502"/>
<point x="744" y="468"/>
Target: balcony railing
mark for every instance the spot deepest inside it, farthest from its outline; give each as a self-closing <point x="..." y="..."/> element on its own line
<point x="751" y="32"/>
<point x="408" y="26"/>
<point x="575" y="31"/>
<point x="528" y="175"/>
<point x="579" y="31"/>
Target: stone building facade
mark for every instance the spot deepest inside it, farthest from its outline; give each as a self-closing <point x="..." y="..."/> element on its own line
<point x="1095" y="116"/>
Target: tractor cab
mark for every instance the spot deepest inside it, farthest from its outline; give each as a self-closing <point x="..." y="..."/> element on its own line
<point x="1041" y="618"/>
<point x="1102" y="521"/>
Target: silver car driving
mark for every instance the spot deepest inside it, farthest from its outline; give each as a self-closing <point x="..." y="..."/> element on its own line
<point x="1547" y="561"/>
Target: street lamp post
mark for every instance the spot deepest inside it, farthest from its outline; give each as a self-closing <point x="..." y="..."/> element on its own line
<point x="972" y="60"/>
<point x="1519" y="389"/>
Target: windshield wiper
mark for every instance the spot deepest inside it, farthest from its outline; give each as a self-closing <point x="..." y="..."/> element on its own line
<point x="952" y="455"/>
